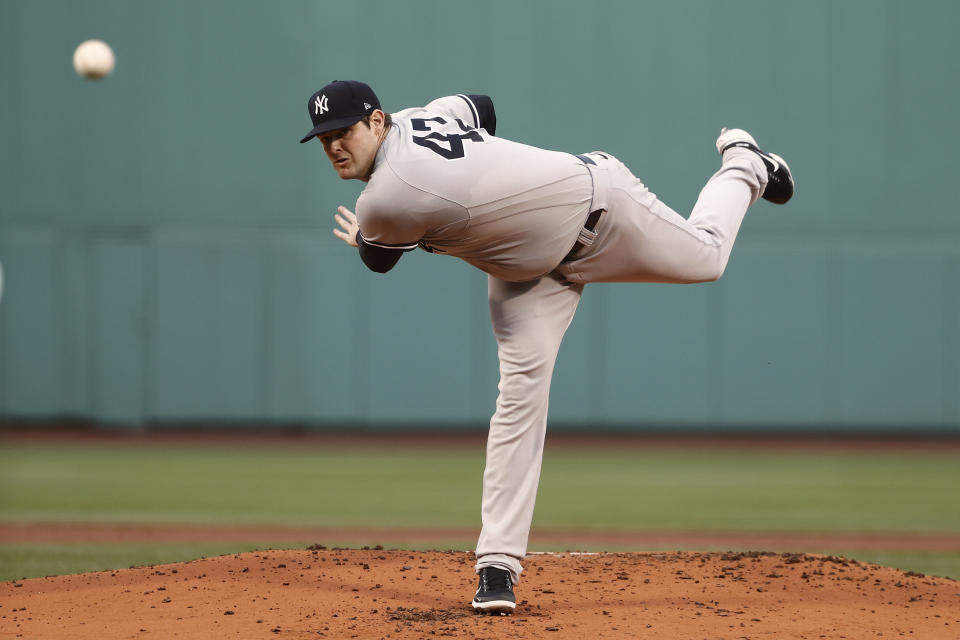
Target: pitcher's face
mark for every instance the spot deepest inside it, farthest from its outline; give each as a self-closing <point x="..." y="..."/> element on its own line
<point x="352" y="150"/>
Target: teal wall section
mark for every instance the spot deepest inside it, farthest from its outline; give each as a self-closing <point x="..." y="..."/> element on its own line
<point x="167" y="250"/>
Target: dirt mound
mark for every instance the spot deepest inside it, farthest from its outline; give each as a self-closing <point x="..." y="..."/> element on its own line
<point x="374" y="593"/>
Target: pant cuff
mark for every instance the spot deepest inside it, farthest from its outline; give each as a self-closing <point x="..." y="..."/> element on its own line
<point x="501" y="561"/>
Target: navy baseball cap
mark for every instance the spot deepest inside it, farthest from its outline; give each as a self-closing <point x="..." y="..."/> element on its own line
<point x="340" y="104"/>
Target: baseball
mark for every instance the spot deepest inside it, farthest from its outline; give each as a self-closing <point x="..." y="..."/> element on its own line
<point x="93" y="59"/>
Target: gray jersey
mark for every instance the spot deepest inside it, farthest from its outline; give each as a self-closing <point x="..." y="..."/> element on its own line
<point x="442" y="183"/>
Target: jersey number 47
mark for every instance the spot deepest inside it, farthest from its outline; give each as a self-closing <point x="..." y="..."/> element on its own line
<point x="448" y="145"/>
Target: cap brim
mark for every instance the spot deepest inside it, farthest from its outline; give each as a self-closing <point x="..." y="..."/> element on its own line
<point x="330" y="125"/>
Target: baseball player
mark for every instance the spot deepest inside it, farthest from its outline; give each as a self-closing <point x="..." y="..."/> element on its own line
<point x="541" y="224"/>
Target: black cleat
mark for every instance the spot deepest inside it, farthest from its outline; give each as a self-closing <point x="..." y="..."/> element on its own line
<point x="495" y="592"/>
<point x="779" y="179"/>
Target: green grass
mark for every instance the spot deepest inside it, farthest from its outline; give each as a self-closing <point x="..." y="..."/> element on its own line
<point x="934" y="563"/>
<point x="753" y="490"/>
<point x="656" y="489"/>
<point x="39" y="560"/>
<point x="241" y="485"/>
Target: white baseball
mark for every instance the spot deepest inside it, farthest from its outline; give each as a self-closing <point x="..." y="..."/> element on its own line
<point x="94" y="59"/>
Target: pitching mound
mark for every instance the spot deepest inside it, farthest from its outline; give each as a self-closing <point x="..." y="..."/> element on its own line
<point x="389" y="594"/>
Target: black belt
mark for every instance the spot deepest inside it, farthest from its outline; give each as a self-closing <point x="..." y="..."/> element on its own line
<point x="589" y="225"/>
<point x="592" y="219"/>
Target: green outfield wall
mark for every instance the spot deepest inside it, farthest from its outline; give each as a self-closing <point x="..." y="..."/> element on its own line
<point x="166" y="241"/>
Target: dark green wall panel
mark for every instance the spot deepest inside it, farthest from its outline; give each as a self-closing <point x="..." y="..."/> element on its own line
<point x="313" y="334"/>
<point x="31" y="347"/>
<point x="210" y="311"/>
<point x="119" y="327"/>
<point x="774" y="358"/>
<point x="891" y="361"/>
<point x="662" y="350"/>
<point x="418" y="354"/>
<point x="167" y="242"/>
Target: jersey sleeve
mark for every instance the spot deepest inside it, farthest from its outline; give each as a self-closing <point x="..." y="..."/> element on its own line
<point x="395" y="232"/>
<point x="385" y="227"/>
<point x="385" y="233"/>
<point x="475" y="110"/>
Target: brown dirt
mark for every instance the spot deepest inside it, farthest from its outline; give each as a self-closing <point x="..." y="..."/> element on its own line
<point x="390" y="594"/>
<point x="381" y="594"/>
<point x="475" y="439"/>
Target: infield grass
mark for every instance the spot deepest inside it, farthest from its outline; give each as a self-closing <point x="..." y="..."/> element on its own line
<point x="658" y="489"/>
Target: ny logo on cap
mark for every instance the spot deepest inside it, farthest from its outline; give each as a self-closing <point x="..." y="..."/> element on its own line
<point x="366" y="105"/>
<point x="320" y="106"/>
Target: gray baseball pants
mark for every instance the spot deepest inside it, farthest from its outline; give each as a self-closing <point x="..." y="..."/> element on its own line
<point x="637" y="239"/>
